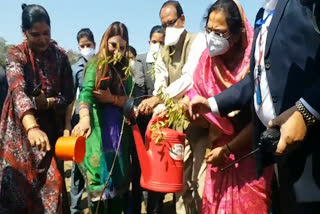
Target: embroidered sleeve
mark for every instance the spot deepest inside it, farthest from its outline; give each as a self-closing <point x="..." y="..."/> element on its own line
<point x="14" y="66"/>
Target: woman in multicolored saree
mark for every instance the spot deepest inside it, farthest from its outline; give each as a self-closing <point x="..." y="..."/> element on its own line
<point x="106" y="88"/>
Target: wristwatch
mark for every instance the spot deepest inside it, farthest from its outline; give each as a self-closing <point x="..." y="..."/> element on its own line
<point x="307" y="116"/>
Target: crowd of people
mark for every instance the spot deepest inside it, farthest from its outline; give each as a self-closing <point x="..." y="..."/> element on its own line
<point x="232" y="80"/>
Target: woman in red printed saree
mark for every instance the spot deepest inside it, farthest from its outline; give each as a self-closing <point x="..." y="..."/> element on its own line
<point x="226" y="61"/>
<point x="40" y="88"/>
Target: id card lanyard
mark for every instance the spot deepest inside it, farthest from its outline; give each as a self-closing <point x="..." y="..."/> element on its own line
<point x="259" y="24"/>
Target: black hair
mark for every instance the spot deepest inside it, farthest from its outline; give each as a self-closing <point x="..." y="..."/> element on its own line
<point x="132" y="50"/>
<point x="176" y="5"/>
<point x="156" y="29"/>
<point x="233" y="16"/>
<point x="119" y="29"/>
<point x="85" y="32"/>
<point x="33" y="13"/>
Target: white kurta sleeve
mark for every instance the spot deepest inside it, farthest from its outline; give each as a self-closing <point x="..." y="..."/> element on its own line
<point x="161" y="74"/>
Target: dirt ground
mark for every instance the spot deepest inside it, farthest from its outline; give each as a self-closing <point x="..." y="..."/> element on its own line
<point x="168" y="201"/>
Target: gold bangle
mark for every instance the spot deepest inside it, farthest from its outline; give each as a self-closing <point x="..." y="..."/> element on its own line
<point x="29" y="122"/>
<point x="32" y="127"/>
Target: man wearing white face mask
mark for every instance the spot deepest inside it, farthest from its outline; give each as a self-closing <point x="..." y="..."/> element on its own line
<point x="87" y="46"/>
<point x="170" y="66"/>
<point x="174" y="68"/>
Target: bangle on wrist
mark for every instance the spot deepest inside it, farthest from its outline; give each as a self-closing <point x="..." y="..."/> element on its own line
<point x="31" y="127"/>
<point x="83" y="107"/>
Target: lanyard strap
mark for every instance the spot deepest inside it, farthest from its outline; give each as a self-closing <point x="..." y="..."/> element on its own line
<point x="262" y="21"/>
<point x="259" y="24"/>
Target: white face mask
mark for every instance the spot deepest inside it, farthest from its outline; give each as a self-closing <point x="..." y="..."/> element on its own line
<point x="217" y="45"/>
<point x="132" y="63"/>
<point x="172" y="35"/>
<point x="154" y="47"/>
<point x="87" y="53"/>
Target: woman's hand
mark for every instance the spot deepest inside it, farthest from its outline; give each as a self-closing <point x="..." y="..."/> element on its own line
<point x="83" y="128"/>
<point x="38" y="138"/>
<point x="146" y="106"/>
<point x="217" y="156"/>
<point x="104" y="96"/>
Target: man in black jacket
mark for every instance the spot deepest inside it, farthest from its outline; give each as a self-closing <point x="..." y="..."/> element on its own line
<point x="284" y="88"/>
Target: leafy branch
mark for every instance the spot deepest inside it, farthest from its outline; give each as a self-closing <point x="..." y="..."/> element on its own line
<point x="175" y="117"/>
<point x="175" y="114"/>
<point x="115" y="59"/>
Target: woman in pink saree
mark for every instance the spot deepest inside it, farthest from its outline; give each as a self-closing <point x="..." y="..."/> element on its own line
<point x="225" y="62"/>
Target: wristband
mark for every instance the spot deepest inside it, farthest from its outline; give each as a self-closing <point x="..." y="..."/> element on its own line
<point x="307" y="116"/>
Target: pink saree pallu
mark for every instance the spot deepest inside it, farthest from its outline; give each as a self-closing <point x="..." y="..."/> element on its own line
<point x="236" y="190"/>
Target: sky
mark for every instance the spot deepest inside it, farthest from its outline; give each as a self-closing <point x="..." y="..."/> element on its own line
<point x="69" y="16"/>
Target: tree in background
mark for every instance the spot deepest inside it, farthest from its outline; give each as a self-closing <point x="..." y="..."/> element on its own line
<point x="3" y="51"/>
